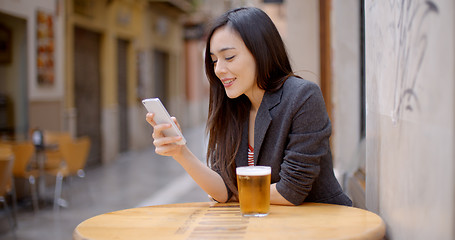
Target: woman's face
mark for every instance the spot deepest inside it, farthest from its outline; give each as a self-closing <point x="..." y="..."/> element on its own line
<point x="234" y="64"/>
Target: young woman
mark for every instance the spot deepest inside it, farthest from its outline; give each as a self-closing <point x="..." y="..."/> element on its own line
<point x="260" y="113"/>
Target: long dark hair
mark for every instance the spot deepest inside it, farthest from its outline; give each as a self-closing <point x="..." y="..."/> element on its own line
<point x="227" y="116"/>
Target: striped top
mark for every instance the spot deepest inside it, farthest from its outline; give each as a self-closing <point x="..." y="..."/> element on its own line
<point x="250" y="155"/>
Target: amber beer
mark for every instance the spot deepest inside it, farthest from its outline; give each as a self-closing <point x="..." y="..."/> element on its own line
<point x="254" y="190"/>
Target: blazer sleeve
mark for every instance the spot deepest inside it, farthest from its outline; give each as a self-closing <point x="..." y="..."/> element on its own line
<point x="308" y="143"/>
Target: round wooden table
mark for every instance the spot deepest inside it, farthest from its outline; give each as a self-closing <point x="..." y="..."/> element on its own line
<point x="207" y="220"/>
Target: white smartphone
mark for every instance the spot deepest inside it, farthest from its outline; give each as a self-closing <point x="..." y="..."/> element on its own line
<point x="154" y="105"/>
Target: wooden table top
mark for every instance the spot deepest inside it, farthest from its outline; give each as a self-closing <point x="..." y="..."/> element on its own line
<point x="207" y="220"/>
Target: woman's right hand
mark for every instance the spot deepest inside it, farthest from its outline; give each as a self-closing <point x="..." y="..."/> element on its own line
<point x="210" y="181"/>
<point x="165" y="146"/>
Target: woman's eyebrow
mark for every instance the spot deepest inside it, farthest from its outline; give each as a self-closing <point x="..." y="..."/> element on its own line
<point x="223" y="49"/>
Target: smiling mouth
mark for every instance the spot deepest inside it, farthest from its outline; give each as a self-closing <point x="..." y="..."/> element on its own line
<point x="228" y="82"/>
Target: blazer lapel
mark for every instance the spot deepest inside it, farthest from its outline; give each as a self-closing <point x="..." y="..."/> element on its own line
<point x="263" y="120"/>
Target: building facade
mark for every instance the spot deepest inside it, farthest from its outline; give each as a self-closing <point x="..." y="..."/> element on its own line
<point x="32" y="66"/>
<point x="83" y="66"/>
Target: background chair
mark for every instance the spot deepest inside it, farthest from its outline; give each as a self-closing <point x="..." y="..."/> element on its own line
<point x="75" y="154"/>
<point x="52" y="141"/>
<point x="23" y="153"/>
<point x="6" y="163"/>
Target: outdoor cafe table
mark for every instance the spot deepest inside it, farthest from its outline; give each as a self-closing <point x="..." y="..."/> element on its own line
<point x="209" y="220"/>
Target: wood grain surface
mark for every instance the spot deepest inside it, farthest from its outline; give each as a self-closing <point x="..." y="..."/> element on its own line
<point x="206" y="220"/>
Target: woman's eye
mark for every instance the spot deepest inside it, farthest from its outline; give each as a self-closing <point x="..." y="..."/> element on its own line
<point x="229" y="58"/>
<point x="214" y="61"/>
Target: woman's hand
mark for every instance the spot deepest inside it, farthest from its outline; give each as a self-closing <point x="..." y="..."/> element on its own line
<point x="209" y="180"/>
<point x="165" y="146"/>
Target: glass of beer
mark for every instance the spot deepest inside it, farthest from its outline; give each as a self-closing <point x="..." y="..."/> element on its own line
<point x="253" y="183"/>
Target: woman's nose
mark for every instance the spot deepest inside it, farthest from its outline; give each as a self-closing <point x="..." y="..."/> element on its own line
<point x="220" y="68"/>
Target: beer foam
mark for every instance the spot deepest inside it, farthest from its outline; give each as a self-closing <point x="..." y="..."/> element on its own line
<point x="254" y="170"/>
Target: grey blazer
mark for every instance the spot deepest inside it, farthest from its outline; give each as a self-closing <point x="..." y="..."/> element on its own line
<point x="291" y="135"/>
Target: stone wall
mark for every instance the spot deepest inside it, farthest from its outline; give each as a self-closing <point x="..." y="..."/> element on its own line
<point x="410" y="116"/>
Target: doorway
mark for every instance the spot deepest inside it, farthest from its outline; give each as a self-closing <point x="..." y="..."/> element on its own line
<point x="160" y="60"/>
<point x="122" y="94"/>
<point x="87" y="87"/>
<point x="14" y="100"/>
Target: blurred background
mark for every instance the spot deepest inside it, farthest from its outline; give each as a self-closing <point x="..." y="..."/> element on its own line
<point x="78" y="69"/>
